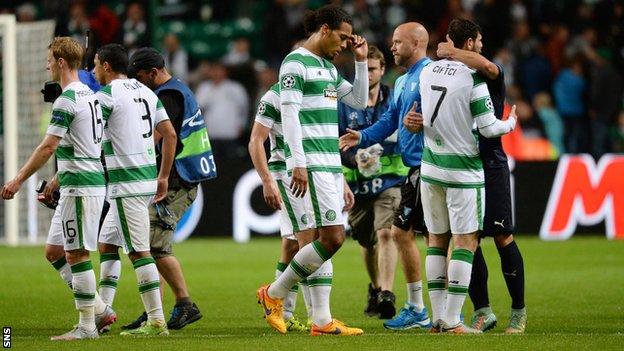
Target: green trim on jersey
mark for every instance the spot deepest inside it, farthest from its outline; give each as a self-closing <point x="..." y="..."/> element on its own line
<point x="444" y="183"/>
<point x="270" y="111"/>
<point x="81" y="179"/>
<point x="452" y="161"/>
<point x="318" y="87"/>
<point x="106" y="112"/>
<point x="327" y="145"/>
<point x="318" y="116"/>
<point x="307" y="61"/>
<point x="120" y="175"/>
<point x="70" y="95"/>
<point x="107" y="147"/>
<point x="477" y="79"/>
<point x="107" y="89"/>
<point x="481" y="106"/>
<point x="277" y="166"/>
<point x="66" y="152"/>
<point x="67" y="116"/>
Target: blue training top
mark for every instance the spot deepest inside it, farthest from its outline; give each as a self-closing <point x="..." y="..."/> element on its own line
<point x="406" y="92"/>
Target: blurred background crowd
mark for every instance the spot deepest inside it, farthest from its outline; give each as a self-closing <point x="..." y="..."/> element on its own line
<point x="563" y="59"/>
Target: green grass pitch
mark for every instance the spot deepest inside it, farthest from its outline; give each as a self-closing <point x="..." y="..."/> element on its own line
<point x="574" y="296"/>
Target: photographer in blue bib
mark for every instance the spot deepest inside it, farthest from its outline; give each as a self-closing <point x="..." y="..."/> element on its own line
<point x="375" y="175"/>
<point x="194" y="162"/>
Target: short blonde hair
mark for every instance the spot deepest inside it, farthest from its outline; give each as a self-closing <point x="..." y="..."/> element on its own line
<point x="68" y="49"/>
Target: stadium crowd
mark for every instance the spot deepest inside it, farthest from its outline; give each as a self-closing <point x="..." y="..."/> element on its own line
<point x="564" y="60"/>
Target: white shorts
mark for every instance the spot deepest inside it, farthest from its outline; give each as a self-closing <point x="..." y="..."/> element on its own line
<point x="458" y="209"/>
<point x="327" y="195"/>
<point x="296" y="214"/>
<point x="75" y="222"/>
<point x="127" y="224"/>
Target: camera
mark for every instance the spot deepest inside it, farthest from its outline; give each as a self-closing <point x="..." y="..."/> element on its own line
<point x="56" y="195"/>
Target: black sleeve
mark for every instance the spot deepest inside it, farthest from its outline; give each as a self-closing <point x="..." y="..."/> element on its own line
<point x="173" y="101"/>
<point x="500" y="80"/>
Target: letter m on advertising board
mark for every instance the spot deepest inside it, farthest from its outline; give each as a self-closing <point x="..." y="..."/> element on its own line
<point x="585" y="193"/>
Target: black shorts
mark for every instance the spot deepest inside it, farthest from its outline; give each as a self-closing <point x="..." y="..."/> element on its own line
<point x="410" y="215"/>
<point x="498" y="217"/>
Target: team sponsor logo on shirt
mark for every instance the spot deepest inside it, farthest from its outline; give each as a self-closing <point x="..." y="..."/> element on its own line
<point x="330" y="92"/>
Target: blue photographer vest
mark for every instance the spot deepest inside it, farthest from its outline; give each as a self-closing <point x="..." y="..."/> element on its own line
<point x="195" y="161"/>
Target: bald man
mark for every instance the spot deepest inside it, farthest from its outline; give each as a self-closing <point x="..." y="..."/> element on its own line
<point x="409" y="48"/>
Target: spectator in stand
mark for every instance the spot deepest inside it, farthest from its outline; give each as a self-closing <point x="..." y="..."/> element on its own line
<point x="78" y="23"/>
<point x="569" y="90"/>
<point x="504" y="58"/>
<point x="522" y="45"/>
<point x="176" y="58"/>
<point x="555" y="47"/>
<point x="26" y="12"/>
<point x="266" y="77"/>
<point x="238" y="52"/>
<point x="225" y="107"/>
<point x="553" y="126"/>
<point x="605" y="94"/>
<point x="531" y="127"/>
<point x="135" y="28"/>
<point x="534" y="74"/>
<point x="104" y="22"/>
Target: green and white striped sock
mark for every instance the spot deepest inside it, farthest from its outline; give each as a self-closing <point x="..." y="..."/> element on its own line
<point x="290" y="301"/>
<point x="64" y="270"/>
<point x="459" y="271"/>
<point x="110" y="272"/>
<point x="83" y="283"/>
<point x="320" y="283"/>
<point x="435" y="266"/>
<point x="306" y="261"/>
<point x="149" y="288"/>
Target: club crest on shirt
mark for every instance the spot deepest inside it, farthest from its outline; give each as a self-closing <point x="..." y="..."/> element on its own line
<point x="330" y="92"/>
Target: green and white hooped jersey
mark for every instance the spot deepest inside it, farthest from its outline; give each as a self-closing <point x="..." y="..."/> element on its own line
<point x="131" y="111"/>
<point x="268" y="115"/>
<point x="77" y="120"/>
<point x="455" y="103"/>
<point x="313" y="83"/>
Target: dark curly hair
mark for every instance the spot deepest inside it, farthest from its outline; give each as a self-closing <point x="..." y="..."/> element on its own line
<point x="461" y="29"/>
<point x="331" y="15"/>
